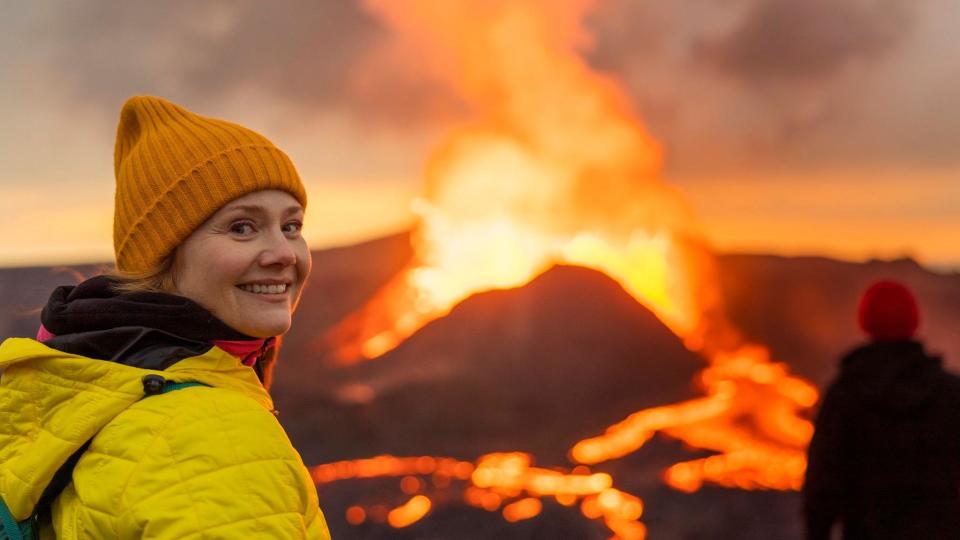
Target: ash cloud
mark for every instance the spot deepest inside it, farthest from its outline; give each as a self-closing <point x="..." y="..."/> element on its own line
<point x="720" y="82"/>
<point x="303" y="53"/>
<point x="786" y="84"/>
<point x="788" y="40"/>
<point x="105" y="48"/>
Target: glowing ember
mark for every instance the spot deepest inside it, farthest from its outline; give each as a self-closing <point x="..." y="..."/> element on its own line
<point x="410" y="485"/>
<point x="409" y="513"/>
<point x="356" y="515"/>
<point x="522" y="509"/>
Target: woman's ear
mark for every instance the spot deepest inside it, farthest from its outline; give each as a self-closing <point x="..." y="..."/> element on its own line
<point x="169" y="283"/>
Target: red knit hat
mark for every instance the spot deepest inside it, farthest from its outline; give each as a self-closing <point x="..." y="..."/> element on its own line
<point x="888" y="311"/>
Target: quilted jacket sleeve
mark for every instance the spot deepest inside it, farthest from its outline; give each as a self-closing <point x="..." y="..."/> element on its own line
<point x="200" y="463"/>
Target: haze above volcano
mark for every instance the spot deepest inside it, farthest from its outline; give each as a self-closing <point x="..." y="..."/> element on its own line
<point x="813" y="128"/>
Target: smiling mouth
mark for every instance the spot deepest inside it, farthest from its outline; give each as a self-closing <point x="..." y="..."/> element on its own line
<point x="265" y="289"/>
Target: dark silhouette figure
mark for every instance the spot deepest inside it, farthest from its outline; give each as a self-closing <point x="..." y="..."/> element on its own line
<point x="884" y="461"/>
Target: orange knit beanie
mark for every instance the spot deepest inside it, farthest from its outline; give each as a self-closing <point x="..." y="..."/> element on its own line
<point x="175" y="169"/>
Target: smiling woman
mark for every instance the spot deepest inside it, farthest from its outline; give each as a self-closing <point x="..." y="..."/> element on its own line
<point x="210" y="266"/>
<point x="247" y="264"/>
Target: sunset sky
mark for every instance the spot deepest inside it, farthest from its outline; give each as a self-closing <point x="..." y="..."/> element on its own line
<point x="822" y="127"/>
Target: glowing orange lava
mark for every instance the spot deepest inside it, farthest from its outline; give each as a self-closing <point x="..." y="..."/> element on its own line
<point x="503" y="480"/>
<point x="409" y="512"/>
<point x="751" y="415"/>
<point x="556" y="169"/>
<point x="522" y="509"/>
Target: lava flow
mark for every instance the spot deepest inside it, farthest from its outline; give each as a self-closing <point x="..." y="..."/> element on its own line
<point x="555" y="169"/>
<point x="506" y="482"/>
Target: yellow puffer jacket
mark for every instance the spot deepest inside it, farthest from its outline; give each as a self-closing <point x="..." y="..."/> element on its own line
<point x="197" y="463"/>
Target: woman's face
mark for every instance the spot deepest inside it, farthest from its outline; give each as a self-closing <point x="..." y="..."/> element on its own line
<point x="247" y="264"/>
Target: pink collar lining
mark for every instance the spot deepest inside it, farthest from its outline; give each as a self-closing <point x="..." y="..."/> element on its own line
<point x="245" y="350"/>
<point x="43" y="334"/>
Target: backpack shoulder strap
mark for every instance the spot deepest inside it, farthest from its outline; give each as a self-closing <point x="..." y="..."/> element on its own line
<point x="11" y="529"/>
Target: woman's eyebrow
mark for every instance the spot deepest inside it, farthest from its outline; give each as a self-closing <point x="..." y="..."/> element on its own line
<point x="254" y="209"/>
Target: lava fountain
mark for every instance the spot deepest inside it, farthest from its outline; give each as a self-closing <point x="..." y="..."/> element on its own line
<point x="553" y="169"/>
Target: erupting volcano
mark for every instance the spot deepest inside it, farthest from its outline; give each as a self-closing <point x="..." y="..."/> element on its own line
<point x="555" y="169"/>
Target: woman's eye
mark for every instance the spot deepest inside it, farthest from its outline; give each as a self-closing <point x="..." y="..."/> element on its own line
<point x="293" y="227"/>
<point x="241" y="227"/>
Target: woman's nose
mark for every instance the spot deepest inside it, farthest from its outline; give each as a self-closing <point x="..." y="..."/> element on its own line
<point x="278" y="251"/>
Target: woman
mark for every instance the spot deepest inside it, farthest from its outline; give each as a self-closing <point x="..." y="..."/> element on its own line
<point x="140" y="411"/>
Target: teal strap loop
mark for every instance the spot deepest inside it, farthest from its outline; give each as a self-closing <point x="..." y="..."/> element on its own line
<point x="171" y="386"/>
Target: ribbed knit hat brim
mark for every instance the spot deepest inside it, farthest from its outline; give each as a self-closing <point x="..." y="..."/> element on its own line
<point x="175" y="169"/>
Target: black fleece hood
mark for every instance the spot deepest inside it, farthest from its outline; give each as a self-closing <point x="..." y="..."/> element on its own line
<point x="143" y="329"/>
<point x="895" y="377"/>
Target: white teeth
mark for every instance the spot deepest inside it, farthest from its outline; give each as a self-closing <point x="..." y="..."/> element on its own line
<point x="265" y="289"/>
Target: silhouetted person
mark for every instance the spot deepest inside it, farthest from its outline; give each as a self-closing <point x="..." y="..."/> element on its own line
<point x="885" y="457"/>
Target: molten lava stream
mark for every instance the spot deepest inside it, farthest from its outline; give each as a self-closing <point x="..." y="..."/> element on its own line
<point x="627" y="436"/>
<point x="751" y="417"/>
<point x="753" y="407"/>
<point x="379" y="326"/>
<point x="505" y="482"/>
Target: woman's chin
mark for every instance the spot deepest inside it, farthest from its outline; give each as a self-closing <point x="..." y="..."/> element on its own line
<point x="263" y="329"/>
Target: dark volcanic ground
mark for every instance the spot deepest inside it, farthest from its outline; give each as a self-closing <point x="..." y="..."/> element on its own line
<point x="535" y="369"/>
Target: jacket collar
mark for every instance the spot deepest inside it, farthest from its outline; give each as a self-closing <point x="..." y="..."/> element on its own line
<point x="140" y="329"/>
